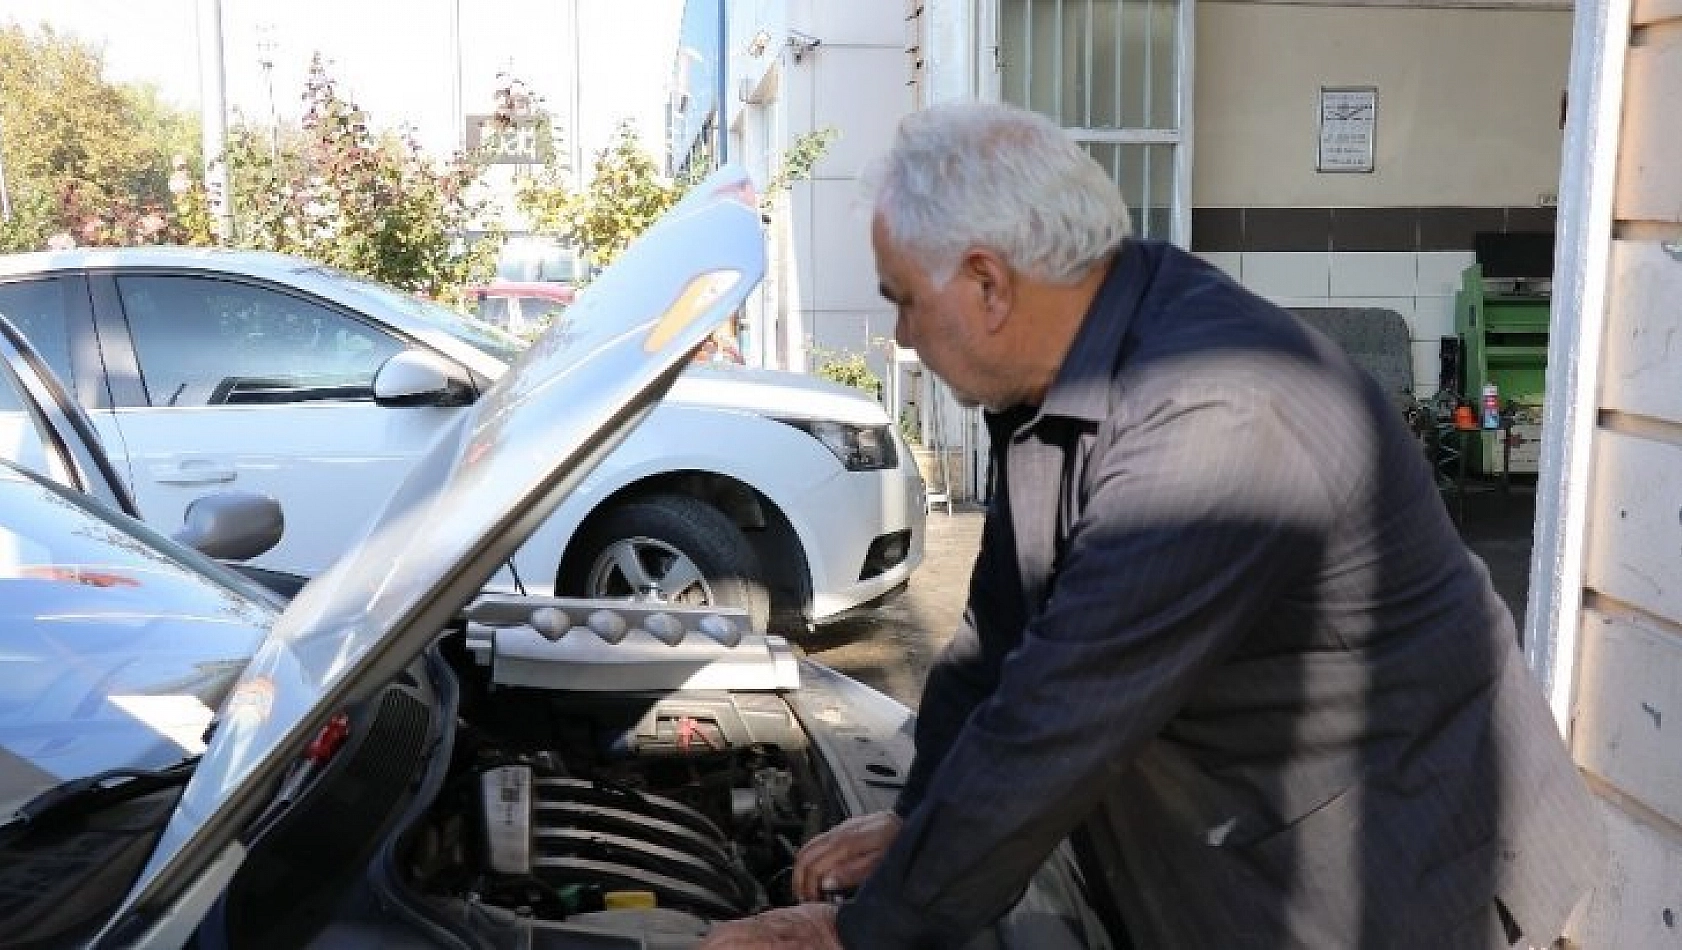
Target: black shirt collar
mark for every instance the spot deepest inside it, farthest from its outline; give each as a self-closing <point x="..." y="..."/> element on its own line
<point x="1081" y="389"/>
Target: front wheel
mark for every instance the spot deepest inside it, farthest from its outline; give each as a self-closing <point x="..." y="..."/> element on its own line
<point x="669" y="549"/>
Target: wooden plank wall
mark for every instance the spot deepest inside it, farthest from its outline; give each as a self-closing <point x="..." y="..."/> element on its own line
<point x="1626" y="729"/>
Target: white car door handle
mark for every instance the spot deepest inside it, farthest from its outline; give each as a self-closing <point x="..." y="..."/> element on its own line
<point x="193" y="472"/>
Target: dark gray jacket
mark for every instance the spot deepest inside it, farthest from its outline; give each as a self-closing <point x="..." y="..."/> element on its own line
<point x="1221" y="624"/>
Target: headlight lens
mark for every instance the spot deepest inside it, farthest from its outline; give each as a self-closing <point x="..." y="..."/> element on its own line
<point x="861" y="448"/>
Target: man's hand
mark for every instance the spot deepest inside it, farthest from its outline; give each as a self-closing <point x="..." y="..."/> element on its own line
<point x="843" y="856"/>
<point x="801" y="927"/>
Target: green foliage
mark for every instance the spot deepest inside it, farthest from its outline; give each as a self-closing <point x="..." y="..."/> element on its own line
<point x="85" y="160"/>
<point x="626" y="194"/>
<point x="799" y="159"/>
<point x="335" y="192"/>
<point x="909" y="429"/>
<point x="847" y="367"/>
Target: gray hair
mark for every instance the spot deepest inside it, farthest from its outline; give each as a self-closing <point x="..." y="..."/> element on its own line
<point x="981" y="174"/>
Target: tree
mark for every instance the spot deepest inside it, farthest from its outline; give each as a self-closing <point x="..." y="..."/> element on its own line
<point x="375" y="205"/>
<point x="83" y="156"/>
<point x="627" y="193"/>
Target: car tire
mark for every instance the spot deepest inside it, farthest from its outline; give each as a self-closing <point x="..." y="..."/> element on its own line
<point x="670" y="540"/>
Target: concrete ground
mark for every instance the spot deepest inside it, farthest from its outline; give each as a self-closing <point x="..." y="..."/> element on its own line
<point x="890" y="647"/>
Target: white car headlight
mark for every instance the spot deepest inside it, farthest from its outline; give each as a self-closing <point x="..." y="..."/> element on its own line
<point x="861" y="448"/>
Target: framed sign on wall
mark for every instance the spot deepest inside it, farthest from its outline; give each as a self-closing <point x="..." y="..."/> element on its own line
<point x="1348" y="118"/>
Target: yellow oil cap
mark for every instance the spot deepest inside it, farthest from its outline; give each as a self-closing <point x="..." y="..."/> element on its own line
<point x="628" y="900"/>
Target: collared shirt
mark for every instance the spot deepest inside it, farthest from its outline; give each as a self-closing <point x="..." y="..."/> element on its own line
<point x="1210" y="500"/>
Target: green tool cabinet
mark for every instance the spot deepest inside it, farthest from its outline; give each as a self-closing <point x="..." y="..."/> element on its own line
<point x="1504" y="339"/>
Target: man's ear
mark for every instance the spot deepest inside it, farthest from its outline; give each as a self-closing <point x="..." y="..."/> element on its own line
<point x="994" y="281"/>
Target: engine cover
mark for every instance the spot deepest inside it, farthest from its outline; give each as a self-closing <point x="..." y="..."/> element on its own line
<point x="583" y="645"/>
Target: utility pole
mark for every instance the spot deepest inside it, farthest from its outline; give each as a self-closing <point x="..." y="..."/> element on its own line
<point x="214" y="117"/>
<point x="574" y="147"/>
<point x="265" y="59"/>
<point x="457" y="116"/>
<point x="721" y="117"/>
<point x="5" y="193"/>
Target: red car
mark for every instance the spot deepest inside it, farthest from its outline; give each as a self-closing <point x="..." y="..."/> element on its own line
<point x="520" y="306"/>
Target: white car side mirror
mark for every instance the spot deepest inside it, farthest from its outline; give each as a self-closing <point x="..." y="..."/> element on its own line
<point x="421" y="378"/>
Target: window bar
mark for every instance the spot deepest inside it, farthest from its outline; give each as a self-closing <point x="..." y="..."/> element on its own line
<point x="1145" y="216"/>
<point x="1184" y="64"/>
<point x="1150" y="49"/>
<point x="1027" y="54"/>
<point x="1115" y="169"/>
<point x="1120" y="35"/>
<point x="1086" y="67"/>
<point x="1057" y="62"/>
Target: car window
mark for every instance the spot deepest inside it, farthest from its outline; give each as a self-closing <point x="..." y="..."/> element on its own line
<point x="39" y="308"/>
<point x="540" y="310"/>
<point x="495" y="310"/>
<point x="203" y="341"/>
<point x="23" y="433"/>
<point x="470" y="330"/>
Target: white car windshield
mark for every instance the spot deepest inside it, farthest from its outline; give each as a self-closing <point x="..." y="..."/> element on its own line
<point x="474" y="332"/>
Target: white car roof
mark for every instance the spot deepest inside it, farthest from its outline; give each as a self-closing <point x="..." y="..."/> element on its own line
<point x="297" y="272"/>
<point x="267" y="264"/>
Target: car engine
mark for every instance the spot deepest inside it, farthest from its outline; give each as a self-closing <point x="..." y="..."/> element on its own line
<point x="651" y="811"/>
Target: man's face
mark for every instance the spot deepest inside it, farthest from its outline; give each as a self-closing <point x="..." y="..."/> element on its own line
<point x="944" y="324"/>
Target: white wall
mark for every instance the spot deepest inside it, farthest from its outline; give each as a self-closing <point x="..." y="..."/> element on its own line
<point x="855" y="82"/>
<point x="1468" y="116"/>
<point x="1468" y="103"/>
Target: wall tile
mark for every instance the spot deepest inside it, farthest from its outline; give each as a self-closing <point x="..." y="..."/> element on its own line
<point x="1288" y="274"/>
<point x="1426" y="366"/>
<point x="1531" y="219"/>
<point x="1373" y="274"/>
<point x="1439" y="271"/>
<point x="1288" y="229"/>
<point x="800" y="238"/>
<point x="1452" y="229"/>
<point x="1230" y="261"/>
<point x="861" y="92"/>
<point x="1433" y="317"/>
<point x="1217" y="229"/>
<point x="843" y="275"/>
<point x="1375" y="229"/>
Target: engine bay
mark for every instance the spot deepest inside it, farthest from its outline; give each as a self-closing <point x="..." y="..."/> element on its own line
<point x="644" y="814"/>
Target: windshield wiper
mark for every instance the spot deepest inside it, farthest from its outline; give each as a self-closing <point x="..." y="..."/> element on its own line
<point x="83" y="796"/>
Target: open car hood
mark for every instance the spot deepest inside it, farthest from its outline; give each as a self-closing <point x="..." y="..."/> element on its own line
<point x="463" y="510"/>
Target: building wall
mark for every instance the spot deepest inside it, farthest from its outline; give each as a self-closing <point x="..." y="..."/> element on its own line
<point x="1467" y="140"/>
<point x="794" y="67"/>
<point x="1607" y="583"/>
<point x="857" y="83"/>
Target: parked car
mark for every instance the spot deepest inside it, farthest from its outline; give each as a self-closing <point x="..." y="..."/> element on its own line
<point x="397" y="759"/>
<point x="521" y="307"/>
<point x="767" y="490"/>
<point x="43" y="431"/>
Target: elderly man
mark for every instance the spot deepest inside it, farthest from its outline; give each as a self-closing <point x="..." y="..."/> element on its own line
<point x="1221" y="634"/>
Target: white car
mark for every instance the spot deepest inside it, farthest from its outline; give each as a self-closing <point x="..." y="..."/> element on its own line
<point x="201" y="369"/>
